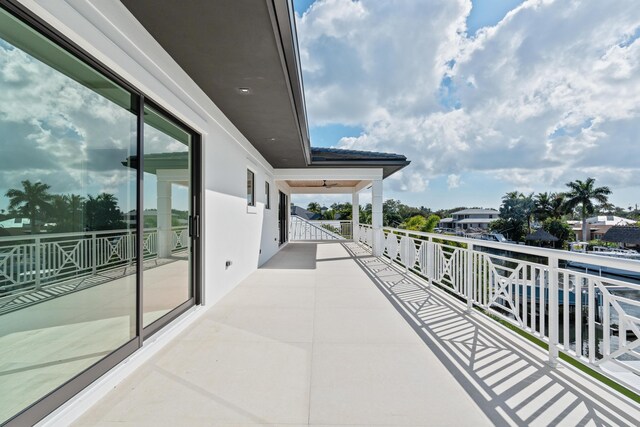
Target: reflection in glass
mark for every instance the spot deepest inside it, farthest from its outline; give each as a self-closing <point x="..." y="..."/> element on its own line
<point x="67" y="242"/>
<point x="167" y="178"/>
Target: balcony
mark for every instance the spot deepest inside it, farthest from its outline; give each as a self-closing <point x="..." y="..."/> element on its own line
<point x="325" y="333"/>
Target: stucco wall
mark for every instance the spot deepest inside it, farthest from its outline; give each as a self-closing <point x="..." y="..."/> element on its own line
<point x="247" y="238"/>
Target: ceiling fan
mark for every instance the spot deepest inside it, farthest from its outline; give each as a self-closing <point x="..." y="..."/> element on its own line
<point x="325" y="185"/>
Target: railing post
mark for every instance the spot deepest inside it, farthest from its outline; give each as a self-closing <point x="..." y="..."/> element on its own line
<point x="38" y="267"/>
<point x="469" y="277"/>
<point x="553" y="311"/>
<point x="430" y="261"/>
<point x="94" y="253"/>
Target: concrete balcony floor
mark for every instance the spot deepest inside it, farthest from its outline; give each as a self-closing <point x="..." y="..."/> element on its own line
<point x="326" y="334"/>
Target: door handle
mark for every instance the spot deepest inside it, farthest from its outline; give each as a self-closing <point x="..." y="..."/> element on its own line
<point x="194" y="226"/>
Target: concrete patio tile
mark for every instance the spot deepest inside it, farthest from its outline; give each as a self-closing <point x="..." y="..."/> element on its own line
<point x="350" y="297"/>
<point x="362" y="326"/>
<point x="215" y="383"/>
<point x="325" y="347"/>
<point x="256" y="324"/>
<point x="368" y="384"/>
<point x="273" y="297"/>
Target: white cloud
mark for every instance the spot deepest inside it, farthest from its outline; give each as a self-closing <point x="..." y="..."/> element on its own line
<point x="453" y="181"/>
<point x="549" y="94"/>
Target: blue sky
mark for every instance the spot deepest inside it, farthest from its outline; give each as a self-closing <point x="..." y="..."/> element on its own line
<point x="480" y="104"/>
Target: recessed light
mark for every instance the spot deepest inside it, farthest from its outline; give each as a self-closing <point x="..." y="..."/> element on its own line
<point x="272" y="139"/>
<point x="244" y="90"/>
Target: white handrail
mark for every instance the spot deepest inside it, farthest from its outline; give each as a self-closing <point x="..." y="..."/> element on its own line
<point x="31" y="261"/>
<point x="303" y="229"/>
<point x="551" y="294"/>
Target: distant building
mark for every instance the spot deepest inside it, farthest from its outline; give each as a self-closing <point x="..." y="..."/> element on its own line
<point x="610" y="220"/>
<point x="16" y="223"/>
<point x="470" y="219"/>
<point x="598" y="226"/>
<point x="303" y="213"/>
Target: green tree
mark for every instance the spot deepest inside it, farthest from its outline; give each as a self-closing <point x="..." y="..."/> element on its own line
<point x="559" y="229"/>
<point x="581" y="196"/>
<point x="420" y="223"/>
<point x="512" y="229"/>
<point x="314" y="207"/>
<point x="390" y="213"/>
<point x="343" y="211"/>
<point x="365" y="214"/>
<point x="102" y="213"/>
<point x="33" y="201"/>
<point x="543" y="206"/>
<point x="558" y="205"/>
<point x="329" y="214"/>
<point x="416" y="223"/>
<point x="517" y="210"/>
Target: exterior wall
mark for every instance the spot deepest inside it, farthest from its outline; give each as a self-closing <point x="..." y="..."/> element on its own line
<point x="106" y="30"/>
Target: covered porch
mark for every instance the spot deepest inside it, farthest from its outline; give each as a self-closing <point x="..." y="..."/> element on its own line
<point x="327" y="334"/>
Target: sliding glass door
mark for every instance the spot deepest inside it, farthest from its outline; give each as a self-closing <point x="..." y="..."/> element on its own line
<point x="99" y="193"/>
<point x="168" y="216"/>
<point x="67" y="248"/>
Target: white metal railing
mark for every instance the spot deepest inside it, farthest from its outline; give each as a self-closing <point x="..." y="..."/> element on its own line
<point x="586" y="306"/>
<point x="28" y="263"/>
<point x="302" y="229"/>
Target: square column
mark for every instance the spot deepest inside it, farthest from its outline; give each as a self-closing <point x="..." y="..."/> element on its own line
<point x="355" y="215"/>
<point x="165" y="234"/>
<point x="376" y="217"/>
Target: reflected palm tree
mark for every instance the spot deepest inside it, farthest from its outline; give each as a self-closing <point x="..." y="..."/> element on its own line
<point x="32" y="201"/>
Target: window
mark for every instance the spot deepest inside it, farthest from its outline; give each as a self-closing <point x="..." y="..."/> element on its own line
<point x="251" y="191"/>
<point x="267" y="195"/>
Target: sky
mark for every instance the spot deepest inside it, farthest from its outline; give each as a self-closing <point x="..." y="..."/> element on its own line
<point x="59" y="132"/>
<point x="484" y="97"/>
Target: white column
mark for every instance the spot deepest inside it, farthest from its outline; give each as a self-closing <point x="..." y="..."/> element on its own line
<point x="165" y="235"/>
<point x="355" y="215"/>
<point x="376" y="217"/>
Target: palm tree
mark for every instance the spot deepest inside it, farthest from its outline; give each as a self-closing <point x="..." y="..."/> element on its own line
<point x="543" y="206"/>
<point x="558" y="205"/>
<point x="76" y="204"/>
<point x="32" y="201"/>
<point x="314" y="207"/>
<point x="582" y="194"/>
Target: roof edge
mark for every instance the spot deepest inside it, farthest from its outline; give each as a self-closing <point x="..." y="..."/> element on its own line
<point x="284" y="26"/>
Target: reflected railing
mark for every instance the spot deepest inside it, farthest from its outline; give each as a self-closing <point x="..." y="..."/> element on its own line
<point x="31" y="264"/>
<point x="303" y="229"/>
<point x="584" y="306"/>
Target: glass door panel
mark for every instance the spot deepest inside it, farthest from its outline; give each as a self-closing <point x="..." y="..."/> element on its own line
<point x="167" y="281"/>
<point x="67" y="247"/>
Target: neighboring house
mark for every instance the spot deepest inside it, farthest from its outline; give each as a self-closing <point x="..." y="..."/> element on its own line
<point x="467" y="219"/>
<point x="194" y="106"/>
<point x="610" y="220"/>
<point x="599" y="226"/>
<point x="15" y="226"/>
<point x="16" y="223"/>
<point x="303" y="213"/>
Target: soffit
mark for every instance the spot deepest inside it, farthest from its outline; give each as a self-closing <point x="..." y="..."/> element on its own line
<point x="228" y="44"/>
<point x="319" y="183"/>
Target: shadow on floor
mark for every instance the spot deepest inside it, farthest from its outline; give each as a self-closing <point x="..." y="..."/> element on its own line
<point x="298" y="256"/>
<point x="508" y="379"/>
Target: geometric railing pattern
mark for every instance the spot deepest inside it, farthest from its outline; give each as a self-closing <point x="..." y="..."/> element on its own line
<point x="29" y="262"/>
<point x="586" y="306"/>
<point x="302" y="229"/>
